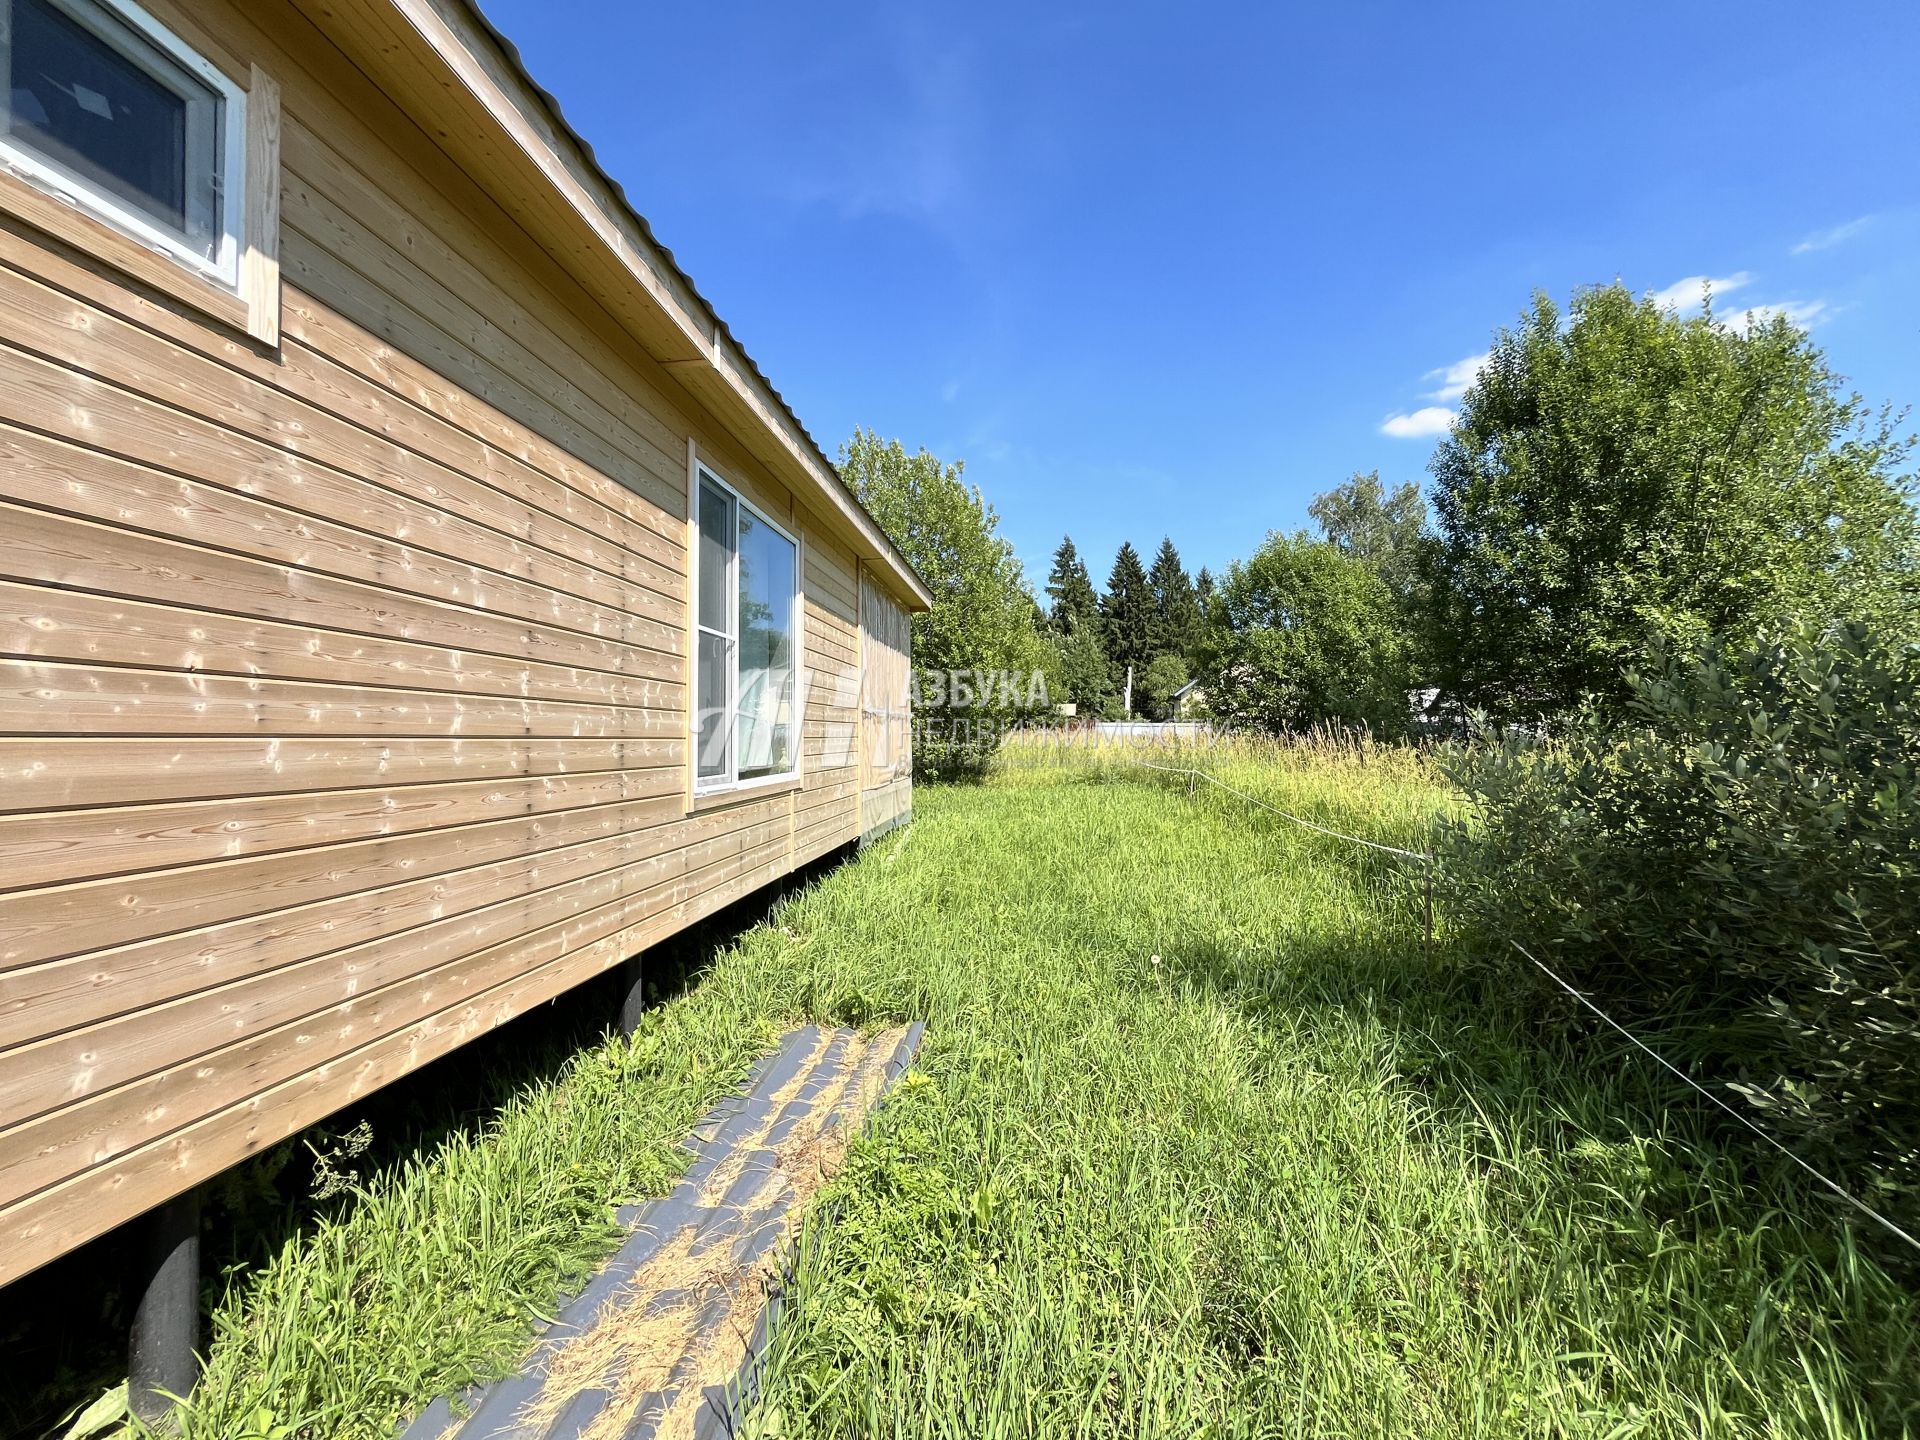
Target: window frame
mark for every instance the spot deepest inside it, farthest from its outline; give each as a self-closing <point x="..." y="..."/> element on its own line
<point x="231" y="180"/>
<point x="729" y="782"/>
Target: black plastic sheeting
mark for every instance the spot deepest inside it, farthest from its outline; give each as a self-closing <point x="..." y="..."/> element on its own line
<point x="743" y="1135"/>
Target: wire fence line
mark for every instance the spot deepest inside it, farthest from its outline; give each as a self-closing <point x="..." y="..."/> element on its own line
<point x="1420" y="855"/>
<point x="1661" y="1060"/>
<point x="1431" y="864"/>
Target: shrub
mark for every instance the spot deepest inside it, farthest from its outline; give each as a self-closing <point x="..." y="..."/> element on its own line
<point x="1303" y="635"/>
<point x="1739" y="865"/>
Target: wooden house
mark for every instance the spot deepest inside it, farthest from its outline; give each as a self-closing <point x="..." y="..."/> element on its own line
<point x="415" y="600"/>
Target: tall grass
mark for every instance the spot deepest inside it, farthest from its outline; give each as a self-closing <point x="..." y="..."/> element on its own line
<point x="1204" y="1141"/>
<point x="1209" y="1144"/>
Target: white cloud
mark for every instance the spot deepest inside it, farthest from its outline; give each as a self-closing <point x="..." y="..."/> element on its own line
<point x="1422" y="424"/>
<point x="1455" y="378"/>
<point x="1835" y="235"/>
<point x="1431" y="420"/>
<point x="1691" y="293"/>
<point x="1804" y="313"/>
<point x="950" y="391"/>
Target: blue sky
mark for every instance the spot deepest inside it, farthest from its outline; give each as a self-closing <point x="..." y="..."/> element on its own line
<point x="1173" y="269"/>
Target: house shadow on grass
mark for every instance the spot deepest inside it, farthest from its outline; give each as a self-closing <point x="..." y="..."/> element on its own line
<point x="63" y="1329"/>
<point x="1479" y="1041"/>
<point x="1676" y="1241"/>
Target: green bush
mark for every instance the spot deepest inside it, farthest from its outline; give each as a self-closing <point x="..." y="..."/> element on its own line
<point x="954" y="746"/>
<point x="1303" y="635"/>
<point x="1738" y="867"/>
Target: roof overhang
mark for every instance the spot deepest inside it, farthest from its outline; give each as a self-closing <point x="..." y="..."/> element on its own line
<point x="445" y="65"/>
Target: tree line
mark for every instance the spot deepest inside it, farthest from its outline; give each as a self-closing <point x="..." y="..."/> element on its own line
<point x="1620" y="481"/>
<point x="1137" y="641"/>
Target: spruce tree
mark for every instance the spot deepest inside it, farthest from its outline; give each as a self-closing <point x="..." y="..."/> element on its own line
<point x="1128" y="610"/>
<point x="1175" y="612"/>
<point x="1205" y="588"/>
<point x="1076" y="605"/>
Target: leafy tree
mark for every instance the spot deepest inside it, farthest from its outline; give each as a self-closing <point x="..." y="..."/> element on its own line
<point x="1384" y="528"/>
<point x="983" y="614"/>
<point x="1085" y="676"/>
<point x="1303" y="635"/>
<point x="1176" y="614"/>
<point x="1128" y="611"/>
<point x="1076" y="604"/>
<point x="1166" y="674"/>
<point x="1627" y="477"/>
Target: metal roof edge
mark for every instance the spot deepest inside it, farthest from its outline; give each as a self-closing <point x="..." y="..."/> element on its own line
<point x="830" y="473"/>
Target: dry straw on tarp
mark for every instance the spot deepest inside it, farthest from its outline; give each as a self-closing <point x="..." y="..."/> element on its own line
<point x="658" y="1344"/>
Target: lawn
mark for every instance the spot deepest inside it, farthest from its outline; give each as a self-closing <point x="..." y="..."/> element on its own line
<point x="1204" y="1139"/>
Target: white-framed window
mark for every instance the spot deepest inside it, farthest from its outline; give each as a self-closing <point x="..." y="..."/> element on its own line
<point x="746" y="587"/>
<point x="103" y="106"/>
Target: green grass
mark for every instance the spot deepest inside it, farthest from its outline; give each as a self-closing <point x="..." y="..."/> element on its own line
<point x="1204" y="1140"/>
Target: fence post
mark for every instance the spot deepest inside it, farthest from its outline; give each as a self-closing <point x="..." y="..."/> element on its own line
<point x="1429" y="905"/>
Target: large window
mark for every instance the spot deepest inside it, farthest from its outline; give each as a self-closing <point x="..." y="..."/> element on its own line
<point x="746" y="669"/>
<point x="101" y="105"/>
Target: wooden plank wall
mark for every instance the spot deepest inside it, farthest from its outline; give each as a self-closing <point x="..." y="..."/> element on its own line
<point x="886" y="714"/>
<point x="345" y="684"/>
<point x="829" y="752"/>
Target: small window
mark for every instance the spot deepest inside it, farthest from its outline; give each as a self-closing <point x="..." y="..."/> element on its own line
<point x="106" y="108"/>
<point x="746" y="675"/>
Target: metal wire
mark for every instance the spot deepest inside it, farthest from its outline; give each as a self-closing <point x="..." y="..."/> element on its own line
<point x="1628" y="1035"/>
<point x="1666" y="1064"/>
<point x="1284" y="815"/>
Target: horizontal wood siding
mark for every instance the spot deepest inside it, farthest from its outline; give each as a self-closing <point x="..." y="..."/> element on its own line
<point x="827" y="810"/>
<point x="343" y="685"/>
<point x="886" y="711"/>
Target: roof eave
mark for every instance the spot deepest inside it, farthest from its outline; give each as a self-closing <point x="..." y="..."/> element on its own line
<point x="446" y="65"/>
